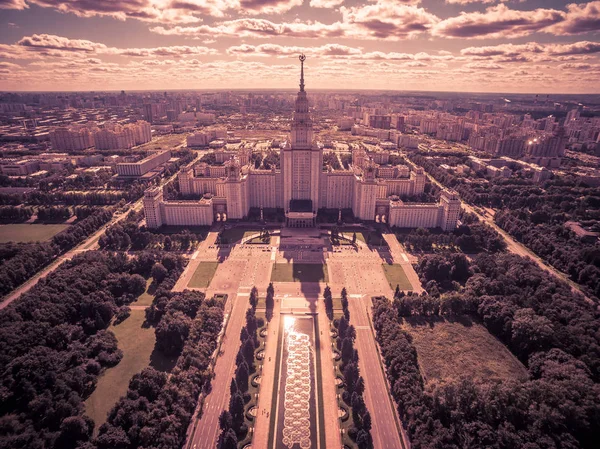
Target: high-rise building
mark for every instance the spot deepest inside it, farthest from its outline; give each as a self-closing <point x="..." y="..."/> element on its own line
<point x="301" y="184"/>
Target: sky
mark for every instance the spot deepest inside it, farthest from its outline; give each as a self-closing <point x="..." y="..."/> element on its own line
<point x="516" y="46"/>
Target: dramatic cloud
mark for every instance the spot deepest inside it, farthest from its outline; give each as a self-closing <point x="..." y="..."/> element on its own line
<point x="533" y="51"/>
<point x="580" y="18"/>
<point x="281" y="50"/>
<point x="50" y="41"/>
<point x="576" y="48"/>
<point x="387" y="19"/>
<point x="498" y="22"/>
<point x="332" y="52"/>
<point x="256" y="28"/>
<point x="58" y="46"/>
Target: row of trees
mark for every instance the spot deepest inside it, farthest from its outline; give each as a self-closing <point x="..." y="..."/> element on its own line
<point x="354" y="384"/>
<point x="53" y="345"/>
<point x="15" y="213"/>
<point x="129" y="236"/>
<point x="157" y="409"/>
<point x="232" y="421"/>
<point x="556" y="244"/>
<point x="54" y="213"/>
<point x="556" y="407"/>
<point x="469" y="238"/>
<point x="32" y="257"/>
<point x="535" y="214"/>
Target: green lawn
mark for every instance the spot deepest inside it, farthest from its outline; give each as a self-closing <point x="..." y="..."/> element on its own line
<point x="203" y="275"/>
<point x="396" y="276"/>
<point x="137" y="343"/>
<point x="299" y="272"/>
<point x="29" y="232"/>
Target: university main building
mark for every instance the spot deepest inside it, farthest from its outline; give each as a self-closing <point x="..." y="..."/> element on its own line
<point x="232" y="185"/>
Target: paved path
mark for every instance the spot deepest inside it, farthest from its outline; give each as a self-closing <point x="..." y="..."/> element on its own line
<point x="243" y="268"/>
<point x="385" y="429"/>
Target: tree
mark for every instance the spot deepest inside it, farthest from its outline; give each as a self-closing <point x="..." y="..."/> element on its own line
<point x="172" y="332"/>
<point x="241" y="377"/>
<point x="159" y="272"/>
<point x="225" y="420"/>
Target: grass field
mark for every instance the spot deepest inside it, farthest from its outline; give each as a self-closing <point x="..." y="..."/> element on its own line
<point x="203" y="275"/>
<point x="299" y="272"/>
<point x="163" y="142"/>
<point x="396" y="276"/>
<point x="448" y="350"/>
<point x="29" y="232"/>
<point x="137" y="344"/>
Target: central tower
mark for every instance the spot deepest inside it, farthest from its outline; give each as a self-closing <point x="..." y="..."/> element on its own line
<point x="301" y="164"/>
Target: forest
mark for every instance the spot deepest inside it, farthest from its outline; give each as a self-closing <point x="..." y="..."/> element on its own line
<point x="552" y="330"/>
<point x="159" y="406"/>
<point x="535" y="215"/>
<point x="25" y="259"/>
<point x="54" y="344"/>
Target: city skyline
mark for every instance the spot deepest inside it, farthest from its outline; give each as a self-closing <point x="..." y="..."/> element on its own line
<point x="531" y="46"/>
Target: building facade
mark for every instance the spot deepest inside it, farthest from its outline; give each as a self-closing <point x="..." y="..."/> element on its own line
<point x="371" y="187"/>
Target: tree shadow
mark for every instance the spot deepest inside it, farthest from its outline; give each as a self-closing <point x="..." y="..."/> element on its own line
<point x="161" y="362"/>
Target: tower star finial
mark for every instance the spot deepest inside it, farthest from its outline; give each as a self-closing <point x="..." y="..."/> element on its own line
<point x="302" y="59"/>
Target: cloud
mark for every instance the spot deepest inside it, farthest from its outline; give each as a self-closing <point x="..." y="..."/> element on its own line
<point x="580" y="18"/>
<point x="466" y="2"/>
<point x="503" y="50"/>
<point x="256" y="28"/>
<point x="281" y="50"/>
<point x="50" y="41"/>
<point x="575" y="48"/>
<point x="13" y="4"/>
<point x="164" y="11"/>
<point x="325" y="3"/>
<point x="177" y="50"/>
<point x="497" y="22"/>
<point x="579" y="66"/>
<point x="483" y="66"/>
<point x="267" y="6"/>
<point x="387" y="19"/>
<point x="533" y="51"/>
<point x="333" y="52"/>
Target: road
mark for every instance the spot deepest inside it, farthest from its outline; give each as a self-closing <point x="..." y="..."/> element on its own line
<point x="385" y="430"/>
<point x="86" y="245"/>
<point x="243" y="268"/>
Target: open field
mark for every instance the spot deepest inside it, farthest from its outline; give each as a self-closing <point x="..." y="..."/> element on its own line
<point x="137" y="343"/>
<point x="299" y="272"/>
<point x="203" y="275"/>
<point x="396" y="276"/>
<point x="29" y="232"/>
<point x="163" y="142"/>
<point x="448" y="350"/>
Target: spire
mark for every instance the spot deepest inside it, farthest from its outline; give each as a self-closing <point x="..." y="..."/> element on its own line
<point x="302" y="59"/>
